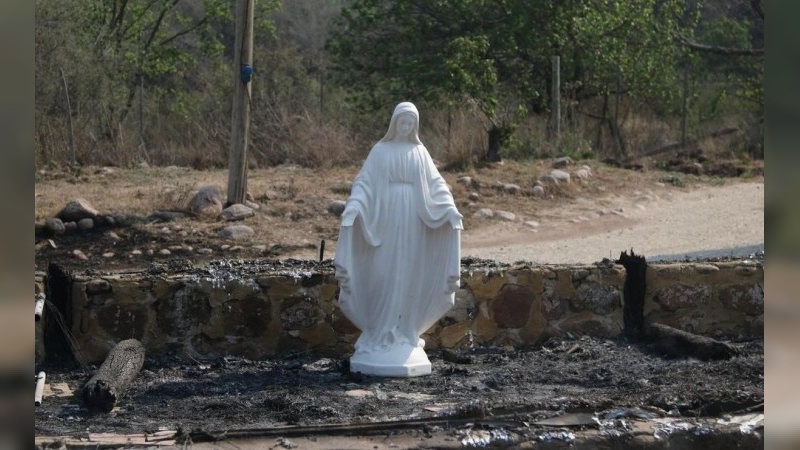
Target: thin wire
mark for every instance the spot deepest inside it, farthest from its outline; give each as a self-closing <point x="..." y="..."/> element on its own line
<point x="59" y="319"/>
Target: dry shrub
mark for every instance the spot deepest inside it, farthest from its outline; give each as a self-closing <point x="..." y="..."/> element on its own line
<point x="460" y="191"/>
<point x="644" y="131"/>
<point x="319" y="145"/>
<point x="175" y="197"/>
<point x="531" y="140"/>
<point x="455" y="137"/>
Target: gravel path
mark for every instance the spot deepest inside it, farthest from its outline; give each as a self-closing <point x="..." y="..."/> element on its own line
<point x="718" y="221"/>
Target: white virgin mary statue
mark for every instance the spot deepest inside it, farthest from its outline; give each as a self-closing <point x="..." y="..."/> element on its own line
<point x="398" y="255"/>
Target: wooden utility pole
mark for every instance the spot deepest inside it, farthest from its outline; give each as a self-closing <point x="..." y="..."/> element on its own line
<point x="684" y="109"/>
<point x="240" y="120"/>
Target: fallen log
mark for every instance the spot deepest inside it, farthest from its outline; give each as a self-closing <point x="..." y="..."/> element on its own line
<point x="673" y="342"/>
<point x="111" y="380"/>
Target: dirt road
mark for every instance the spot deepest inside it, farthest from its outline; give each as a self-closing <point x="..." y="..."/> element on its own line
<point x="659" y="223"/>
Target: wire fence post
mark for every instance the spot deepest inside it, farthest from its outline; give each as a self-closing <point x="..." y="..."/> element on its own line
<point x="684" y="109"/>
<point x="555" y="97"/>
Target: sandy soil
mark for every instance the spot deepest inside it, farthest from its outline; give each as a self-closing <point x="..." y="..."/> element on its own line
<point x="659" y="223"/>
<point x="654" y="212"/>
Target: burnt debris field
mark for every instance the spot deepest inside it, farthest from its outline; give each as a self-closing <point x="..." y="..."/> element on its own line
<point x="523" y="392"/>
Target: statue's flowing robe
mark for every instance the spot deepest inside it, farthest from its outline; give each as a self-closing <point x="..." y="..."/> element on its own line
<point x="398" y="264"/>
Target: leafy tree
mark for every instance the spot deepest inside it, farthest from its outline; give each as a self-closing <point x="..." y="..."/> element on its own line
<point x="730" y="45"/>
<point x="493" y="51"/>
<point x="110" y="49"/>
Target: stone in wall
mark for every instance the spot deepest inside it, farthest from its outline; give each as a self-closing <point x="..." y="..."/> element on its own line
<point x="318" y="335"/>
<point x="518" y="308"/>
<point x="280" y="286"/>
<point x="455" y="335"/>
<point x="463" y="310"/>
<point x="586" y="323"/>
<point x="553" y="307"/>
<point x="484" y="285"/>
<point x="299" y="312"/>
<point x="97" y="286"/>
<point x="597" y="298"/>
<point x="342" y="325"/>
<point x="512" y="306"/>
<point x="485" y="328"/>
<point x="245" y="317"/>
<point x="123" y="321"/>
<point x="746" y="298"/>
<point x="679" y="295"/>
<point x="185" y="310"/>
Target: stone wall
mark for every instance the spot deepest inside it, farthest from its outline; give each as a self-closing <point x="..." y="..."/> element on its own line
<point x="274" y="312"/>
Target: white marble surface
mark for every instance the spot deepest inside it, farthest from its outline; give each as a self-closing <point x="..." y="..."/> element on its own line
<point x="398" y="253"/>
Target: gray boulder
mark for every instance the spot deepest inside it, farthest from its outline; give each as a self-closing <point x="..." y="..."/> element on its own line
<point x="336" y="207"/>
<point x="483" y="213"/>
<point x="85" y="224"/>
<point x="555" y="176"/>
<point x="237" y="211"/>
<point x="76" y="210"/>
<point x="55" y="225"/>
<point x="236" y="232"/>
<point x="206" y="202"/>
<point x="584" y="173"/>
<point x="505" y="216"/>
<point x="564" y="161"/>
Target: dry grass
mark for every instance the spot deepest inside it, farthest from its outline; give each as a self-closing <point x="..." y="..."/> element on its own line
<point x="293" y="216"/>
<point x="291" y="187"/>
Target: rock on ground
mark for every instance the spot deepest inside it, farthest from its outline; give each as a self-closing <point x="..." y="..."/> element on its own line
<point x="237" y="211"/>
<point x="235" y="232"/>
<point x="206" y="202"/>
<point x="76" y="210"/>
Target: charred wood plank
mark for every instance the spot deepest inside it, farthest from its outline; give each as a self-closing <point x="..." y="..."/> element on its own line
<point x="111" y="380"/>
<point x="673" y="342"/>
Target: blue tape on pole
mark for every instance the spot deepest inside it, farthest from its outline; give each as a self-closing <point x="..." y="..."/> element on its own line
<point x="246" y="73"/>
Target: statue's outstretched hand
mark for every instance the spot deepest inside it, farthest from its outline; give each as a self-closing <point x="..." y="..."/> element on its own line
<point x="455" y="220"/>
<point x="348" y="217"/>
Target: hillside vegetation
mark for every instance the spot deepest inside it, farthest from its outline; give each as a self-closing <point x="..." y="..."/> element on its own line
<point x="121" y="82"/>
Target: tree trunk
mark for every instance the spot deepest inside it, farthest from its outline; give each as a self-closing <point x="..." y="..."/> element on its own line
<point x="674" y="342"/>
<point x="634" y="292"/>
<point x="498" y="136"/>
<point x="111" y="380"/>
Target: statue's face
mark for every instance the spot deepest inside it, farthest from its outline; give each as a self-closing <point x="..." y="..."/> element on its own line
<point x="405" y="125"/>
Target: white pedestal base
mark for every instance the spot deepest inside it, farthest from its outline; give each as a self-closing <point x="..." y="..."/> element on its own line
<point x="401" y="361"/>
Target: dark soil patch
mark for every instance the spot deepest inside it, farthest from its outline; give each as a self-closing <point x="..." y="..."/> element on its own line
<point x="560" y="375"/>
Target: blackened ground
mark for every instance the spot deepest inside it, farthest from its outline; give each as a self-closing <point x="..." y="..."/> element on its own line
<point x="561" y="375"/>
